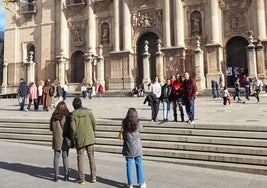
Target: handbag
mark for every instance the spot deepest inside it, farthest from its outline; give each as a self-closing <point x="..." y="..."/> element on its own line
<point x="120" y="136"/>
<point x="68" y="142"/>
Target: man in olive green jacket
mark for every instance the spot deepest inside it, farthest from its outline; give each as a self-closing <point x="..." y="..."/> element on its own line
<point x="83" y="134"/>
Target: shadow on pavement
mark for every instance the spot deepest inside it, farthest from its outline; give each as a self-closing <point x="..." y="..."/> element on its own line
<point x="39" y="172"/>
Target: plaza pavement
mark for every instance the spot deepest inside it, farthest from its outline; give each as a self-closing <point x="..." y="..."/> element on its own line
<point x="31" y="166"/>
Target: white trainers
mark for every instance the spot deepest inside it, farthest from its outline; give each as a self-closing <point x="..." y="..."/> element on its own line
<point x="143" y="185"/>
<point x="129" y="186"/>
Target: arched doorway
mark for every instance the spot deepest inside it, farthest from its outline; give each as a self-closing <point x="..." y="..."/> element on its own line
<point x="152" y="40"/>
<point x="77" y="67"/>
<point x="236" y="59"/>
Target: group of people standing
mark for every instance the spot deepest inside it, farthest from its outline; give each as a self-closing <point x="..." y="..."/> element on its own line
<point x="89" y="91"/>
<point x="177" y="91"/>
<point x="47" y="94"/>
<point x="79" y="127"/>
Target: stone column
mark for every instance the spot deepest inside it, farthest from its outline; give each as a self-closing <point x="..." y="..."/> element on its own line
<point x="100" y="67"/>
<point x="64" y="32"/>
<point x="215" y="33"/>
<point x="116" y="26"/>
<point x="30" y="68"/>
<point x="261" y="19"/>
<point x="252" y="67"/>
<point x="127" y="29"/>
<point x="260" y="60"/>
<point x="146" y="66"/>
<point x="199" y="67"/>
<point x="178" y="23"/>
<point x="89" y="68"/>
<point x="61" y="60"/>
<point x="4" y="84"/>
<point x="166" y="24"/>
<point x="159" y="62"/>
<point x="91" y="43"/>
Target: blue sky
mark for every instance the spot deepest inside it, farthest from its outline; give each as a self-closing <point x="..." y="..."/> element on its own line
<point x="2" y="19"/>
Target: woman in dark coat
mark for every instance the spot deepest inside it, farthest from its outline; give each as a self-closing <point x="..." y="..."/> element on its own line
<point x="60" y="127"/>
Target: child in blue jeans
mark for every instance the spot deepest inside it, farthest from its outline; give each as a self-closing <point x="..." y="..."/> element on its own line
<point x="132" y="147"/>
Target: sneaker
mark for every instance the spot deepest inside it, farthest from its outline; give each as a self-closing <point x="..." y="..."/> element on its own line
<point x="80" y="181"/>
<point x="129" y="186"/>
<point x="143" y="185"/>
<point x="191" y="122"/>
<point x="93" y="180"/>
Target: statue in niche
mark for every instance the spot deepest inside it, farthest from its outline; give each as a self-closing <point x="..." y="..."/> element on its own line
<point x="105" y="33"/>
<point x="196" y="23"/>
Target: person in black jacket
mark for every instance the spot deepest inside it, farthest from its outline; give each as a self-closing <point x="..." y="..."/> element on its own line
<point x="166" y="91"/>
<point x="22" y="93"/>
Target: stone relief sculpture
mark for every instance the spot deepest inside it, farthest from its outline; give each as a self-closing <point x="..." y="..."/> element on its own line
<point x="77" y="31"/>
<point x="195" y="20"/>
<point x="147" y="19"/>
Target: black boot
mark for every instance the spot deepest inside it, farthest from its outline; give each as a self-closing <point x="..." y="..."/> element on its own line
<point x="66" y="177"/>
<point x="182" y="118"/>
<point x="56" y="178"/>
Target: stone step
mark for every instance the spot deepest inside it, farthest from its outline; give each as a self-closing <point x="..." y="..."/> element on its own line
<point x="262" y="151"/>
<point x="192" y="139"/>
<point x="202" y="156"/>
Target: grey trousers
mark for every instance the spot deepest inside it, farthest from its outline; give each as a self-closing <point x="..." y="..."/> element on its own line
<point x="65" y="161"/>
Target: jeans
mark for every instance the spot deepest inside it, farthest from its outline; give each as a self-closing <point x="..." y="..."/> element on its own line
<point x="178" y="102"/>
<point x="65" y="154"/>
<point x="139" y="169"/>
<point x="155" y="109"/>
<point x="21" y="102"/>
<point x="80" y="156"/>
<point x="166" y="109"/>
<point x="190" y="109"/>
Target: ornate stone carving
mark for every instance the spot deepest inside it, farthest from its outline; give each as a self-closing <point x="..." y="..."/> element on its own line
<point x="196" y="22"/>
<point x="235" y="16"/>
<point x="77" y="32"/>
<point x="146" y="19"/>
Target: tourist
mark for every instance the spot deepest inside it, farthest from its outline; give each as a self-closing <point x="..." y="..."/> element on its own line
<point x="65" y="89"/>
<point x="177" y="97"/>
<point x="46" y="95"/>
<point x="237" y="90"/>
<point x="257" y="87"/>
<point x="155" y="88"/>
<point x="83" y="126"/>
<point x="226" y="96"/>
<point x="33" y="95"/>
<point x="100" y="91"/>
<point x="22" y="93"/>
<point x="190" y="91"/>
<point x="166" y="91"/>
<point x="132" y="147"/>
<point x="60" y="127"/>
<point x="83" y="91"/>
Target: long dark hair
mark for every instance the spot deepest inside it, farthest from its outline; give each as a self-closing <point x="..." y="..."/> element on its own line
<point x="131" y="121"/>
<point x="60" y="112"/>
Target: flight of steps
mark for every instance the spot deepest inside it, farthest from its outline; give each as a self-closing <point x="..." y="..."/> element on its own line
<point x="229" y="147"/>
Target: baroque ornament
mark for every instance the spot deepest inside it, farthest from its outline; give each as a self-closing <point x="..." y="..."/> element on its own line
<point x="146" y="20"/>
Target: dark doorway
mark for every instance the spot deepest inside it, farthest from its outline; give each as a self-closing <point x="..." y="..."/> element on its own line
<point x="77" y="67"/>
<point x="152" y="40"/>
<point x="236" y="61"/>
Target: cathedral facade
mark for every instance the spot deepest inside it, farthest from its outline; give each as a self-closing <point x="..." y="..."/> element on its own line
<point x="122" y="43"/>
